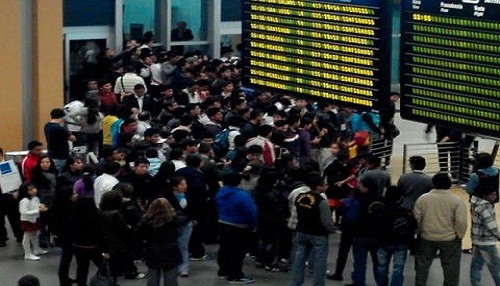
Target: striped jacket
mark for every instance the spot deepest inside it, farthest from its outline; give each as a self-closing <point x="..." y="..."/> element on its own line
<point x="484" y="226"/>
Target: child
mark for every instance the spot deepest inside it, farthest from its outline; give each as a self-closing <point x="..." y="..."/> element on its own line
<point x="30" y="209"/>
<point x="485" y="235"/>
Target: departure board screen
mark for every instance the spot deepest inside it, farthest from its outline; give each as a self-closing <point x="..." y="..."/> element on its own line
<point x="450" y="67"/>
<point x="338" y="50"/>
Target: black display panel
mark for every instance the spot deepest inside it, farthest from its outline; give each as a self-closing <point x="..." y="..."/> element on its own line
<point x="338" y="50"/>
<point x="450" y="64"/>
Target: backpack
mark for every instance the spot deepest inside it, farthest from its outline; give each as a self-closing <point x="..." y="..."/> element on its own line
<point x="221" y="142"/>
<point x="486" y="181"/>
<point x="403" y="225"/>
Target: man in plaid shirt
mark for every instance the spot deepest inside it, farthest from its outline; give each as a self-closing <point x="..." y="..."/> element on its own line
<point x="485" y="235"/>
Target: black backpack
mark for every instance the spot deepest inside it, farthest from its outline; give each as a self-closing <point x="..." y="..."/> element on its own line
<point x="403" y="225"/>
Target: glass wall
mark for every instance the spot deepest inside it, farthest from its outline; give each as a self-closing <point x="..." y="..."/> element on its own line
<point x="194" y="14"/>
<point x="396" y="36"/>
<point x="140" y="16"/>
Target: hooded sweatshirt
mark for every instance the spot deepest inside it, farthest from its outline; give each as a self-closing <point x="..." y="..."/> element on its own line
<point x="236" y="207"/>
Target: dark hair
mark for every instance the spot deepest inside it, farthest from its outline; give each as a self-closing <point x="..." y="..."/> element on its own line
<point x="111" y="200"/>
<point x="255" y="113"/>
<point x="484" y="160"/>
<point x="28" y="280"/>
<point x="92" y="110"/>
<point x="417" y="162"/>
<point x="393" y="194"/>
<point x="151" y="131"/>
<point x="151" y="153"/>
<point x="125" y="189"/>
<point x="88" y="173"/>
<point x="176" y="154"/>
<point x="186" y="120"/>
<point x="441" y="181"/>
<point x="193" y="160"/>
<point x="166" y="170"/>
<point x="254" y="149"/>
<point x="129" y="68"/>
<point x="374" y="160"/>
<point x="204" y="148"/>
<point x="188" y="143"/>
<point x="314" y="180"/>
<point x="141" y="161"/>
<point x="33" y="144"/>
<point x="52" y="168"/>
<point x="235" y="120"/>
<point x="232" y="179"/>
<point x="57" y="113"/>
<point x="23" y="190"/>
<point x="112" y="168"/>
<point x="268" y="178"/>
<point x="211" y="112"/>
<point x="175" y="181"/>
<point x="264" y="130"/>
<point x="144" y="115"/>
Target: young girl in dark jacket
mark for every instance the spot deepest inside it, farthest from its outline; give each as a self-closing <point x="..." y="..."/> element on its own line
<point x="158" y="231"/>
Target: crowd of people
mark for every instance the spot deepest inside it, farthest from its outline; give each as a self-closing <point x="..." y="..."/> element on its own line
<point x="180" y="155"/>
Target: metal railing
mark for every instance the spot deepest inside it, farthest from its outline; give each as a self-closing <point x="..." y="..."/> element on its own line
<point x="448" y="157"/>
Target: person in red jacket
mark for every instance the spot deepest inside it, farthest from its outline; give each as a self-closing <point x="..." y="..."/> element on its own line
<point x="35" y="150"/>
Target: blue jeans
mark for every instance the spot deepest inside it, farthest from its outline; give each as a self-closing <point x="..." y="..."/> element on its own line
<point x="360" y="248"/>
<point x="485" y="254"/>
<point x="306" y="244"/>
<point x="183" y="242"/>
<point x="384" y="255"/>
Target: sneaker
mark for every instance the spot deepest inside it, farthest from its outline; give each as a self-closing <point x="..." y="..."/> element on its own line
<point x="40" y="252"/>
<point x="31" y="257"/>
<point x="205" y="257"/>
<point x="136" y="276"/>
<point x="335" y="277"/>
<point x="184" y="273"/>
<point x="243" y="280"/>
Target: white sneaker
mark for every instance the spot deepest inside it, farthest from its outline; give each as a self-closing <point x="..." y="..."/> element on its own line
<point x="40" y="252"/>
<point x="31" y="257"/>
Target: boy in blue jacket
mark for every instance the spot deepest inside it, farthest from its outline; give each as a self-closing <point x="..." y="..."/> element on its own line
<point x="237" y="219"/>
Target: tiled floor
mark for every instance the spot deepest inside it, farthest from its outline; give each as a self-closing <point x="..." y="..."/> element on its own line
<point x="12" y="266"/>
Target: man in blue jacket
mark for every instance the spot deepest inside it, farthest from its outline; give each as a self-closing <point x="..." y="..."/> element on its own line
<point x="237" y="219"/>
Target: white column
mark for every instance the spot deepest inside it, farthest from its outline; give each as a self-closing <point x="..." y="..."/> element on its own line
<point x="118" y="25"/>
<point x="214" y="26"/>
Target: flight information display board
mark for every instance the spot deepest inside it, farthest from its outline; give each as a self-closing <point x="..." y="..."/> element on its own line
<point x="450" y="64"/>
<point x="338" y="50"/>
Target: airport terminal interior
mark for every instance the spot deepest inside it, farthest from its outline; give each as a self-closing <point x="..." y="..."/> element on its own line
<point x="49" y="42"/>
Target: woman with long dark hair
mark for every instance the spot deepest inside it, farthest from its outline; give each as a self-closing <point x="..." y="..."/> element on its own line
<point x="44" y="177"/>
<point x="159" y="231"/>
<point x="84" y="187"/>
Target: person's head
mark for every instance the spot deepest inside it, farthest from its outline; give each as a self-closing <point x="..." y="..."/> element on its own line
<point x="57" y="113"/>
<point x="186" y="120"/>
<point x="254" y="152"/>
<point x="125" y="189"/>
<point x="317" y="183"/>
<point x="305" y="123"/>
<point x="74" y="164"/>
<point x="215" y="114"/>
<point x="190" y="146"/>
<point x="417" y="163"/>
<point x="139" y="89"/>
<point x="487" y="193"/>
<point x="193" y="161"/>
<point x="182" y="25"/>
<point x="193" y="109"/>
<point x="256" y="116"/>
<point x="151" y="153"/>
<point x="483" y="160"/>
<point x="141" y="166"/>
<point x="105" y="86"/>
<point x="28" y="280"/>
<point x="373" y="161"/>
<point x="232" y="179"/>
<point x="111" y="201"/>
<point x="45" y="164"/>
<point x="395" y="97"/>
<point x="144" y="116"/>
<point x="27" y="190"/>
<point x="235" y="121"/>
<point x="92" y="84"/>
<point x="112" y="168"/>
<point x="152" y="134"/>
<point x="441" y="181"/>
<point x="35" y="148"/>
<point x="160" y="212"/>
<point x="368" y="185"/>
<point x="129" y="69"/>
<point x="265" y="130"/>
<point x="335" y="148"/>
<point x="393" y="195"/>
<point x="179" y="184"/>
<point x="176" y="154"/>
